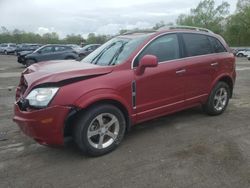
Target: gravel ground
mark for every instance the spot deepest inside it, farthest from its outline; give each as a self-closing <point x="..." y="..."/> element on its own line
<point x="186" y="149"/>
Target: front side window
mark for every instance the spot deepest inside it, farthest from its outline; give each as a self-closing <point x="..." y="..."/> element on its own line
<point x="47" y="49"/>
<point x="165" y="48"/>
<point x="197" y="44"/>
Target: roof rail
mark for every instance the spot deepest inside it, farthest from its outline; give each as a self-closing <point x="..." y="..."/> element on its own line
<point x="139" y="31"/>
<point x="185" y="27"/>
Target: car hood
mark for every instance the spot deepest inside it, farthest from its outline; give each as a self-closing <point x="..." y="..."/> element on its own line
<point x="61" y="71"/>
<point x="23" y="53"/>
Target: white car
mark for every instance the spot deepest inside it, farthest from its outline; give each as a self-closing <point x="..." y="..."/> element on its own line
<point x="7" y="48"/>
<point x="243" y="53"/>
<point x="248" y="55"/>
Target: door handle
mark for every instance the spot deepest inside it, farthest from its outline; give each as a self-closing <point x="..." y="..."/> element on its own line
<point x="180" y="71"/>
<point x="214" y="64"/>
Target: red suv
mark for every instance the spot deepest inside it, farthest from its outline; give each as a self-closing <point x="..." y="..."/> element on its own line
<point x="130" y="79"/>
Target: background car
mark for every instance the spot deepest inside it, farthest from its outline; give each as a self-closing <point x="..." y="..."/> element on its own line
<point x="248" y="55"/>
<point x="27" y="47"/>
<point x="7" y="48"/>
<point x="243" y="53"/>
<point x="21" y="56"/>
<point x="50" y="52"/>
<point x="86" y="50"/>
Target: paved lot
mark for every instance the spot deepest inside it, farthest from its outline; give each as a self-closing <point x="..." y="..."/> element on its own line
<point x="187" y="149"/>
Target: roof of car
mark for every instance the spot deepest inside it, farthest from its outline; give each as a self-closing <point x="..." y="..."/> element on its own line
<point x="135" y="33"/>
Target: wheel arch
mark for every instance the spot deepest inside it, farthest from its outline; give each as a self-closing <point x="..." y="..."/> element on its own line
<point x="78" y="111"/>
<point x="227" y="79"/>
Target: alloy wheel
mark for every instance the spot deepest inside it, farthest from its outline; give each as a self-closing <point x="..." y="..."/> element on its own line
<point x="103" y="130"/>
<point x="220" y="99"/>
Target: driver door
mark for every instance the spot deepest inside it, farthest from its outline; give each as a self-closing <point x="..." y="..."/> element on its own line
<point x="160" y="90"/>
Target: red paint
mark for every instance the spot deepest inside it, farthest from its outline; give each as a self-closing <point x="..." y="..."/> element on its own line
<point x="159" y="89"/>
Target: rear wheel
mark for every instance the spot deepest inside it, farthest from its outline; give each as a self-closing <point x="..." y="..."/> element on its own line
<point x="100" y="130"/>
<point x="5" y="52"/>
<point x="218" y="99"/>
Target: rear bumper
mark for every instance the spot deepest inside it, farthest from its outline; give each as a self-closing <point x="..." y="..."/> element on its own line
<point x="46" y="126"/>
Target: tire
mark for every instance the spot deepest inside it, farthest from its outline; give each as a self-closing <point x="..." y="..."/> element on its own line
<point x="69" y="57"/>
<point x="240" y="55"/>
<point x="218" y="99"/>
<point x="29" y="62"/>
<point x="5" y="52"/>
<point x="99" y="130"/>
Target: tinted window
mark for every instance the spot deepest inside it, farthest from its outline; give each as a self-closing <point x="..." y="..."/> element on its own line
<point x="164" y="48"/>
<point x="217" y="46"/>
<point x="197" y="44"/>
<point x="60" y="48"/>
<point x="47" y="49"/>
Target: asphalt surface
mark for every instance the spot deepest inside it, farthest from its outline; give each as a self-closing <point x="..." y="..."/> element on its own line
<point x="186" y="149"/>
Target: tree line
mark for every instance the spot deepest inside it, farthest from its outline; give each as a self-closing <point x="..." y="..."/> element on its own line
<point x="235" y="28"/>
<point x="18" y="36"/>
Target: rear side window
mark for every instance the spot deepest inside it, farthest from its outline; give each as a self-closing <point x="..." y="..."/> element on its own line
<point x="164" y="48"/>
<point x="60" y="48"/>
<point x="217" y="46"/>
<point x="197" y="44"/>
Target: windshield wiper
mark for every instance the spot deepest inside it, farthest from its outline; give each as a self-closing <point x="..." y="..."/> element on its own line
<point x="115" y="57"/>
<point x="96" y="58"/>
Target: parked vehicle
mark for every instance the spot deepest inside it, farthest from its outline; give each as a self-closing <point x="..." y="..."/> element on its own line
<point x="86" y="50"/>
<point x="248" y="55"/>
<point x="21" y="56"/>
<point x="50" y="52"/>
<point x="130" y="79"/>
<point x="27" y="48"/>
<point x="243" y="53"/>
<point x="7" y="48"/>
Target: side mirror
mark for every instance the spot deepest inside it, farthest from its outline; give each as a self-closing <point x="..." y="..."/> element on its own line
<point x="146" y="61"/>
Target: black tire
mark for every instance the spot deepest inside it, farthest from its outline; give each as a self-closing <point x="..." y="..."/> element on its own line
<point x="29" y="62"/>
<point x="89" y="120"/>
<point x="5" y="52"/>
<point x="214" y="105"/>
<point x="69" y="57"/>
<point x="240" y="55"/>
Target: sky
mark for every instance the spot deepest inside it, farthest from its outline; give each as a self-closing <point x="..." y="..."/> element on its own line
<point x="87" y="16"/>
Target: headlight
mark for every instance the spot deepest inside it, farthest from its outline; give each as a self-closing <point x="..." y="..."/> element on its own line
<point x="40" y="97"/>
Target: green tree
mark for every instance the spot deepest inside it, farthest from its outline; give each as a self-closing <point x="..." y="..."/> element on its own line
<point x="74" y="39"/>
<point x="206" y="15"/>
<point x="237" y="29"/>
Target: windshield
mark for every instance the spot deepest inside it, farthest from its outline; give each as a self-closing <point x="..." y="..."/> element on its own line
<point x="38" y="49"/>
<point x="115" y="51"/>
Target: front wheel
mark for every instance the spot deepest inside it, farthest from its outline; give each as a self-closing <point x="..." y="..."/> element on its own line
<point x="100" y="130"/>
<point x="218" y="99"/>
<point x="29" y="62"/>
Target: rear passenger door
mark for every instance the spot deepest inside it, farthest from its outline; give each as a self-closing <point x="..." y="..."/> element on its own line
<point x="200" y="64"/>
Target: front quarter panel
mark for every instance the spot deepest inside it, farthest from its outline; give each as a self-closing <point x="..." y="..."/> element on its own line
<point x="113" y="86"/>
